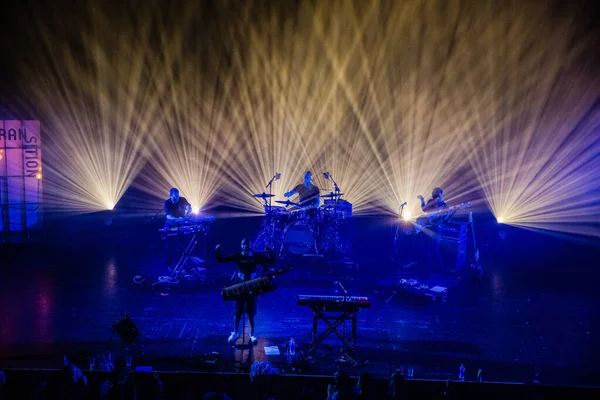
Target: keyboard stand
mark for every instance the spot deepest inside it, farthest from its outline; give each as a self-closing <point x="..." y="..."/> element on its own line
<point x="167" y="284"/>
<point x="333" y="322"/>
<point x="185" y="257"/>
<point x="187" y="254"/>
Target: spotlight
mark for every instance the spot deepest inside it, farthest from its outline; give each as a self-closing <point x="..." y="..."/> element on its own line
<point x="500" y="220"/>
<point x="406" y="216"/>
<point x="110" y="206"/>
<point x="195" y="209"/>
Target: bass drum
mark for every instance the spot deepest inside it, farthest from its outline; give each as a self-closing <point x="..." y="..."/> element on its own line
<point x="298" y="238"/>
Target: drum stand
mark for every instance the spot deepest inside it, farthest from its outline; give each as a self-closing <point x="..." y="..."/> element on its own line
<point x="266" y="237"/>
<point x="332" y="239"/>
<point x="270" y="233"/>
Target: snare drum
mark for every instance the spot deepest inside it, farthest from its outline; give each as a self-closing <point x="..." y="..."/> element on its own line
<point x="298" y="238"/>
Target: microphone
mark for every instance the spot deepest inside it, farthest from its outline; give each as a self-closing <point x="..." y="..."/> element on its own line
<point x="403" y="204"/>
<point x="326" y="175"/>
<point x="275" y="178"/>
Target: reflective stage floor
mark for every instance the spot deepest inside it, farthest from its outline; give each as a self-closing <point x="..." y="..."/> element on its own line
<point x="532" y="310"/>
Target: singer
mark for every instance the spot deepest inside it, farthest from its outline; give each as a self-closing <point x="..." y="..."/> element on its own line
<point x="247" y="262"/>
<point x="308" y="194"/>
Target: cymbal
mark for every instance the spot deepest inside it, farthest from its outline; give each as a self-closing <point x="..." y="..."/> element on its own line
<point x="287" y="203"/>
<point x="263" y="195"/>
<point x="332" y="195"/>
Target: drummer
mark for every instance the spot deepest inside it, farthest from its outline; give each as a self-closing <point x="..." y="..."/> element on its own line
<point x="308" y="194"/>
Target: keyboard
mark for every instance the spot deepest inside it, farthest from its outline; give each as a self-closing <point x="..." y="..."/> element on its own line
<point x="187" y="226"/>
<point x="334" y="303"/>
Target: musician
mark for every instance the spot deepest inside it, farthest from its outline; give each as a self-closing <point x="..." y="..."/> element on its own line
<point x="436" y="202"/>
<point x="176" y="207"/>
<point x="308" y="194"/>
<point x="433" y="232"/>
<point x="247" y="262"/>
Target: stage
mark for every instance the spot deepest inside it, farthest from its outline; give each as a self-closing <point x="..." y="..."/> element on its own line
<point x="62" y="296"/>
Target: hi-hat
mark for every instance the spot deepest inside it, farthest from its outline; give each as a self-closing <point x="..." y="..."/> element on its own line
<point x="263" y="195"/>
<point x="287" y="203"/>
<point x="332" y="195"/>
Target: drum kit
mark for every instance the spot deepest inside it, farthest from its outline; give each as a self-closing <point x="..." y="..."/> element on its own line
<point x="291" y="229"/>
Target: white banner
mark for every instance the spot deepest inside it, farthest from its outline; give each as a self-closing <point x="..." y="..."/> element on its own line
<point x="20" y="175"/>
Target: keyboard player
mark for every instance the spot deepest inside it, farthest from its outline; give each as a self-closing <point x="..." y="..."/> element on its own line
<point x="177" y="210"/>
<point x="247" y="263"/>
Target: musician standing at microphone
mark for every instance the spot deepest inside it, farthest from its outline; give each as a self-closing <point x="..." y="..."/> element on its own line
<point x="433" y="232"/>
<point x="308" y="194"/>
<point x="247" y="262"/>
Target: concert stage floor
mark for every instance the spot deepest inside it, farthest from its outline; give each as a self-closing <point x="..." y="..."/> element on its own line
<point x="62" y="298"/>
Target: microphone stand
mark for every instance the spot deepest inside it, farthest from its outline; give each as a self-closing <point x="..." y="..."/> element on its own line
<point x="271" y="229"/>
<point x="344" y="290"/>
<point x="343" y="353"/>
<point x="399" y="222"/>
<point x="335" y="187"/>
<point x="397" y="234"/>
<point x="154" y="216"/>
<point x="270" y="185"/>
